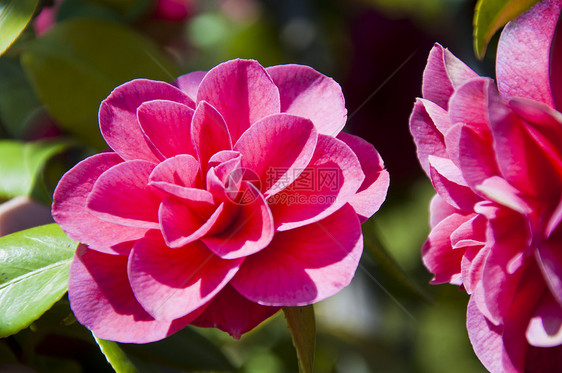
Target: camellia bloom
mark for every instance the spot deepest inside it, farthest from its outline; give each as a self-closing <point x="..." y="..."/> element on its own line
<point x="227" y="195"/>
<point x="494" y="156"/>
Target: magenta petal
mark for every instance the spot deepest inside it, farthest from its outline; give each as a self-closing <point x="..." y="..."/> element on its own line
<point x="469" y="104"/>
<point x="290" y="142"/>
<point x="189" y="83"/>
<point x="549" y="259"/>
<point x="449" y="183"/>
<point x="439" y="210"/>
<point x="171" y="283"/>
<point x="181" y="223"/>
<point x="522" y="66"/>
<point x="556" y="64"/>
<point x="118" y="116"/>
<point x="545" y="327"/>
<point x="231" y="312"/>
<point x="70" y="212"/>
<point x="179" y="176"/>
<point x="307" y="93"/>
<point x="372" y="192"/>
<point x="122" y="195"/>
<point x="470" y="233"/>
<point x="477" y="160"/>
<point x="242" y="92"/>
<point x="166" y="124"/>
<point x="485" y="338"/>
<point x="428" y="124"/>
<point x="472" y="265"/>
<point x="209" y="133"/>
<point x="443" y="73"/>
<point x="331" y="179"/>
<point x="251" y="230"/>
<point x="438" y="254"/>
<point x="304" y="265"/>
<point x="102" y="300"/>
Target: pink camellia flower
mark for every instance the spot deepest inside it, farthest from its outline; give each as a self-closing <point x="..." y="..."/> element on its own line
<point x="227" y="195"/>
<point x="494" y="156"/>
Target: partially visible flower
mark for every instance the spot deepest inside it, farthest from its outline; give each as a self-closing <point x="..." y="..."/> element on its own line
<point x="227" y="195"/>
<point x="494" y="156"/>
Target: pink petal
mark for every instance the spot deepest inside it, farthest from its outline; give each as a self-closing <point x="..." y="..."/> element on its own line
<point x="172" y="283"/>
<point x="449" y="183"/>
<point x="439" y="209"/>
<point x="70" y="212"/>
<point x="304" y="265"/>
<point x="121" y="195"/>
<point x="485" y="338"/>
<point x="477" y="160"/>
<point x="521" y="159"/>
<point x="179" y="176"/>
<point x="472" y="265"/>
<point x="182" y="223"/>
<point x="549" y="259"/>
<point x="209" y="134"/>
<point x="372" y="192"/>
<point x="166" y="125"/>
<point x="242" y="92"/>
<point x="428" y="124"/>
<point x="522" y="66"/>
<point x="509" y="233"/>
<point x="249" y="232"/>
<point x="545" y="327"/>
<point x="556" y="63"/>
<point x="307" y="93"/>
<point x="331" y="179"/>
<point x="470" y="233"/>
<point x="118" y="116"/>
<point x="277" y="149"/>
<point x="189" y="83"/>
<point x="442" y="75"/>
<point x="102" y="300"/>
<point x="498" y="190"/>
<point x="232" y="313"/>
<point x="437" y="252"/>
<point x="540" y="359"/>
<point x="469" y="104"/>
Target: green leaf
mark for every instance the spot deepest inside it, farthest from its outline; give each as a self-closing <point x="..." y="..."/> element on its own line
<point x="33" y="276"/>
<point x="115" y="356"/>
<point x="302" y="326"/>
<point x="14" y="17"/>
<point x="491" y="15"/>
<point x="22" y="165"/>
<point x="76" y="65"/>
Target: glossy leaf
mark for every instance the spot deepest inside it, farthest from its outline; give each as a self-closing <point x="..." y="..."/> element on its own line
<point x="115" y="356"/>
<point x="14" y="17"/>
<point x="77" y="64"/>
<point x="302" y="326"/>
<point x="33" y="276"/>
<point x="491" y="15"/>
<point x="22" y="165"/>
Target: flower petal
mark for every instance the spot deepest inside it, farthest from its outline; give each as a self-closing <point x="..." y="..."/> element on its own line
<point x="70" y="212"/>
<point x="469" y="104"/>
<point x="549" y="259"/>
<point x="178" y="176"/>
<point x="372" y="192"/>
<point x="428" y="124"/>
<point x="118" y="116"/>
<point x="307" y="93"/>
<point x="277" y="149"/>
<point x="189" y="83"/>
<point x="166" y="124"/>
<point x="304" y="265"/>
<point x="449" y="183"/>
<point x="209" y="134"/>
<point x="522" y="66"/>
<point x="443" y="73"/>
<point x="329" y="181"/>
<point x="242" y="92"/>
<point x="102" y="300"/>
<point x="545" y="327"/>
<point x="437" y="252"/>
<point x="249" y="232"/>
<point x="121" y="195"/>
<point x="170" y="283"/>
<point x="231" y="312"/>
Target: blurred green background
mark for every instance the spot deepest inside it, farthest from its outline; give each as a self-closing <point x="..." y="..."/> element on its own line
<point x="390" y="319"/>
